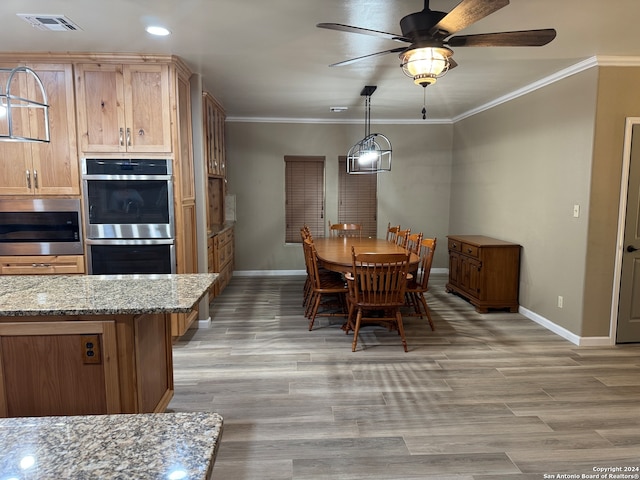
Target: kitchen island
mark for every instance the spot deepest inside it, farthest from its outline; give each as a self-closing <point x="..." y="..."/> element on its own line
<point x="140" y="446"/>
<point x="94" y="344"/>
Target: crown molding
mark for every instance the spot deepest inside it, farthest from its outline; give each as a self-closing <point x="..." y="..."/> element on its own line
<point x="350" y="121"/>
<point x="586" y="64"/>
<point x="564" y="73"/>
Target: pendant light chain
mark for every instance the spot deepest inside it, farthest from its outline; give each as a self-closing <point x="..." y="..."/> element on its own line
<point x="424" y="102"/>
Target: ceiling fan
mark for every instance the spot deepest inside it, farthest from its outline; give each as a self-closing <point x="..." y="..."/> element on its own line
<point x="429" y="35"/>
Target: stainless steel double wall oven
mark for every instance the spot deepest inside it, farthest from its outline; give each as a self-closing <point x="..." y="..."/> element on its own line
<point x="129" y="216"/>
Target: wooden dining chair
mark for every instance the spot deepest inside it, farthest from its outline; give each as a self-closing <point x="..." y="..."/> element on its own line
<point x="392" y="232"/>
<point x="402" y="237"/>
<point x="413" y="243"/>
<point x="305" y="234"/>
<point x="345" y="229"/>
<point x="329" y="286"/>
<point x="419" y="284"/>
<point x="377" y="285"/>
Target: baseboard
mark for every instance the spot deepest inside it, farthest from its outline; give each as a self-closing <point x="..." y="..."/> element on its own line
<point x="206" y="323"/>
<point x="564" y="333"/>
<point x="279" y="273"/>
<point x="267" y="273"/>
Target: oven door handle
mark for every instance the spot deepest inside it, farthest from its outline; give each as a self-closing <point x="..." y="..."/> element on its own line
<point x="130" y="241"/>
<point x="126" y="177"/>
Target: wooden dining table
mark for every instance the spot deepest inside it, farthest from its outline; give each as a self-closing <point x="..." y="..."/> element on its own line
<point x="334" y="253"/>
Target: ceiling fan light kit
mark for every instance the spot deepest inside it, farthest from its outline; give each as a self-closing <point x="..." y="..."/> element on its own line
<point x="372" y="154"/>
<point x="425" y="65"/>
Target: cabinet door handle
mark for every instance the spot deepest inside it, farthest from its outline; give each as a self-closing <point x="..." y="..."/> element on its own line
<point x="128" y="137"/>
<point x="35" y="179"/>
<point x="122" y="137"/>
<point x="28" y="179"/>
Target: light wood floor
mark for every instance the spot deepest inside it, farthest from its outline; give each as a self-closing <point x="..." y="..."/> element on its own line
<point x="484" y="397"/>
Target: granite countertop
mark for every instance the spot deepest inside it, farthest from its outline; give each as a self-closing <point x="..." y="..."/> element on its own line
<point x="33" y="295"/>
<point x="134" y="446"/>
<point x="218" y="228"/>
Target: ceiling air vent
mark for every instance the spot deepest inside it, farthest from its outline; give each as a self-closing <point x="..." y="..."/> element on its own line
<point x="54" y="23"/>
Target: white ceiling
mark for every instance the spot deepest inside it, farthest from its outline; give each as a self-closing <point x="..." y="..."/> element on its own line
<point x="266" y="58"/>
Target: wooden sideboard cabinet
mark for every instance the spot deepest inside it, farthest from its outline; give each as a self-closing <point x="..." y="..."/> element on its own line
<point x="485" y="271"/>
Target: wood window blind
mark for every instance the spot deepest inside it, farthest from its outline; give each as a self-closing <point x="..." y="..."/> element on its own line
<point x="358" y="199"/>
<point x="304" y="192"/>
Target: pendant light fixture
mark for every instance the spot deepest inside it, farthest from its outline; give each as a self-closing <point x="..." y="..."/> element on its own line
<point x="372" y="154"/>
<point x="12" y="103"/>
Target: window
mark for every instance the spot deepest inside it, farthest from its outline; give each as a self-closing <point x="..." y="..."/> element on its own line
<point x="358" y="199"/>
<point x="304" y="196"/>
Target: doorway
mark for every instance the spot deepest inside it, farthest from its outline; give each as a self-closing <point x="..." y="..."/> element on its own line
<point x="628" y="259"/>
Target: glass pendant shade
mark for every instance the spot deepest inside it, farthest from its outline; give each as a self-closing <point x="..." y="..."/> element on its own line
<point x="372" y="154"/>
<point x="425" y="65"/>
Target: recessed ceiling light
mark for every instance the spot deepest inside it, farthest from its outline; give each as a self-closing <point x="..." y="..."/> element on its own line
<point x="156" y="30"/>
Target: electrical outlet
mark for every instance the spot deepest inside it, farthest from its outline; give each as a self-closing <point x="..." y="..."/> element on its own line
<point x="560" y="301"/>
<point x="91" y="349"/>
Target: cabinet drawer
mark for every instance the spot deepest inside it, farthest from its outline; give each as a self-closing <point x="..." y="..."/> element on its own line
<point x="42" y="265"/>
<point x="455" y="245"/>
<point x="228" y="252"/>
<point x="470" y="250"/>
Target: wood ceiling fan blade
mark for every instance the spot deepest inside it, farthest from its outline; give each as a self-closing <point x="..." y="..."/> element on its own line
<point x="523" y="38"/>
<point x="377" y="54"/>
<point x="464" y="14"/>
<point x="364" y="31"/>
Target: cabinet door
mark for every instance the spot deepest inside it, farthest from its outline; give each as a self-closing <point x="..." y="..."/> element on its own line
<point x="100" y="107"/>
<point x="454" y="268"/>
<point x="147" y="108"/>
<point x="55" y="164"/>
<point x="470" y="275"/>
<point x="214" y="118"/>
<point x="474" y="267"/>
<point x="15" y="157"/>
<point x="185" y="153"/>
<point x="42" y="168"/>
<point x="209" y="113"/>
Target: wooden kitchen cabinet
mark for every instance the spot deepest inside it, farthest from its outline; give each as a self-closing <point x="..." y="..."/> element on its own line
<point x="221" y="258"/>
<point x="485" y="271"/>
<point x="185" y="198"/>
<point x="85" y="365"/>
<point x="214" y="146"/>
<point x="123" y="108"/>
<point x="43" y="168"/>
<point x="41" y="264"/>
<point x="215" y="160"/>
